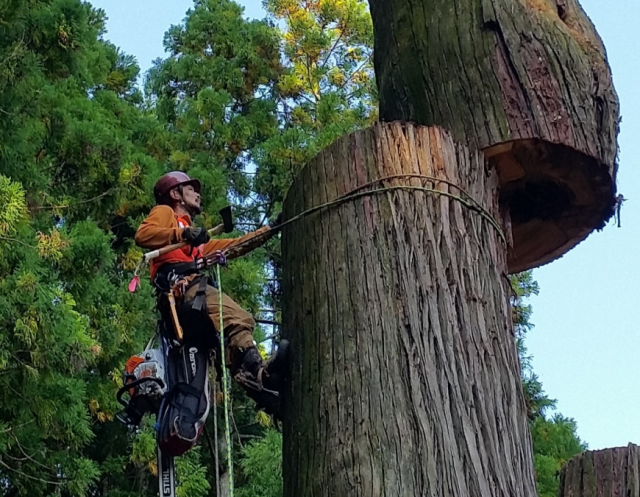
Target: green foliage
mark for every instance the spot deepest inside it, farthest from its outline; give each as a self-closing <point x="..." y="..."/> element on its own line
<point x="239" y="104"/>
<point x="12" y="205"/>
<point x="74" y="170"/>
<point x="555" y="442"/>
<point x="261" y="465"/>
<point x="326" y="90"/>
<point x="192" y="475"/>
<point x="524" y="286"/>
<point x="215" y="94"/>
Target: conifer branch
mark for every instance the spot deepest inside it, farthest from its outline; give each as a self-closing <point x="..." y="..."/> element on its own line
<point x="367" y="60"/>
<point x="81" y="202"/>
<point x="326" y="59"/>
<point x="41" y="480"/>
<point x="9" y="239"/>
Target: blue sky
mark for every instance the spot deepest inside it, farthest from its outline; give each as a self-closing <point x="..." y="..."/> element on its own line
<point x="585" y="343"/>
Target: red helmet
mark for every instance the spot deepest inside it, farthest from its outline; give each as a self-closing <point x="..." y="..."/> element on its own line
<point x="170" y="180"/>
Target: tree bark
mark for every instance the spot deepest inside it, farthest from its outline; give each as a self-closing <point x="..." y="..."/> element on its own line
<point x="610" y="472"/>
<point x="405" y="377"/>
<point x="527" y="81"/>
<point x="497" y="70"/>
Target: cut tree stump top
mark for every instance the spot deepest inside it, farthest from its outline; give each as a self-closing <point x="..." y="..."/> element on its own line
<point x="553" y="198"/>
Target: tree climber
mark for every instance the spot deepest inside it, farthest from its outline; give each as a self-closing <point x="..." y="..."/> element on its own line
<point x="170" y="221"/>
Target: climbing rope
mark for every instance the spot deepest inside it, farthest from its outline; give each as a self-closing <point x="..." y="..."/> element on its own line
<point x="225" y="388"/>
<point x="215" y="435"/>
<point x="464" y="198"/>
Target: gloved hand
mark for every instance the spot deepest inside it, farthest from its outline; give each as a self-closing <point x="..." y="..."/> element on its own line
<point x="276" y="222"/>
<point x="218" y="258"/>
<point x="195" y="236"/>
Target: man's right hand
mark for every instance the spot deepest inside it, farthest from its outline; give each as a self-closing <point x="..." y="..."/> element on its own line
<point x="195" y="236"/>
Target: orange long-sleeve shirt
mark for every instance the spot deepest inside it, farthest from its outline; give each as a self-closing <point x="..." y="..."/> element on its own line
<point x="164" y="227"/>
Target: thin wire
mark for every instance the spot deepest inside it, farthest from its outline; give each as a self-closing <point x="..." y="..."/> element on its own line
<point x="215" y="433"/>
<point x="225" y="388"/>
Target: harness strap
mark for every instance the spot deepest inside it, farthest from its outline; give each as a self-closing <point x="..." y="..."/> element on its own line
<point x="201" y="294"/>
<point x="180" y="268"/>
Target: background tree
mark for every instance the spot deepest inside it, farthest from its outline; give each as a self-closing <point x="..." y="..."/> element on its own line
<point x="72" y="154"/>
<point x="216" y="95"/>
<point x="258" y="101"/>
<point x="327" y="88"/>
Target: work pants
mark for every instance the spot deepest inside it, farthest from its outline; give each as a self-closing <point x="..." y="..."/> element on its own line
<point x="238" y="323"/>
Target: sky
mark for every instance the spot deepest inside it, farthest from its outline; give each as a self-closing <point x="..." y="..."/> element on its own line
<point x="585" y="343"/>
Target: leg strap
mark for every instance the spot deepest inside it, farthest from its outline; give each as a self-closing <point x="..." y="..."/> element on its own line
<point x="201" y="295"/>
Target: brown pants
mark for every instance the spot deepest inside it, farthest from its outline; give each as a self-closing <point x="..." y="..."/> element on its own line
<point x="238" y="323"/>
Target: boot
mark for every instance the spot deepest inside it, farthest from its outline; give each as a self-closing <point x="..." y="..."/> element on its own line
<point x="263" y="381"/>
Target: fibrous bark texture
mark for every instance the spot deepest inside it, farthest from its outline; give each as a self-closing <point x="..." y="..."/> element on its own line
<point x="497" y="72"/>
<point x="609" y="472"/>
<point x="405" y="378"/>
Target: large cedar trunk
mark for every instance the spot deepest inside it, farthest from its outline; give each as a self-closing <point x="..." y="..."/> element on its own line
<point x="405" y="377"/>
<point x="528" y="82"/>
<point x="609" y="472"/>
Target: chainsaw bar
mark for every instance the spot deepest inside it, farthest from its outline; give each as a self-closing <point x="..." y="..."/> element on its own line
<point x="166" y="475"/>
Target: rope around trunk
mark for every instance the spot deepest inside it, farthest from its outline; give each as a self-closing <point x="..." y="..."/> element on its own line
<point x="464" y="198"/>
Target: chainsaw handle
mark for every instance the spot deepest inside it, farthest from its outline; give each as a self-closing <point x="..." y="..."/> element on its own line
<point x="170" y="248"/>
<point x="133" y="384"/>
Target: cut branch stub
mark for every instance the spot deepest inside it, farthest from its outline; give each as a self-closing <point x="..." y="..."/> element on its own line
<point x="610" y="472"/>
<point x="405" y="377"/>
<point x="528" y="82"/>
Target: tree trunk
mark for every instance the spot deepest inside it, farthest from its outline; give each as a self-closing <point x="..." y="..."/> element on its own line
<point x="609" y="472"/>
<point x="528" y="82"/>
<point x="405" y="377"/>
<point x="497" y="70"/>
